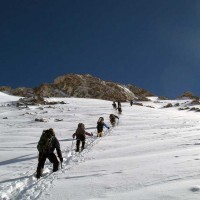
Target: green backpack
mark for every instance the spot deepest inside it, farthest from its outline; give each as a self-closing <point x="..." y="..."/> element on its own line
<point x="45" y="142"/>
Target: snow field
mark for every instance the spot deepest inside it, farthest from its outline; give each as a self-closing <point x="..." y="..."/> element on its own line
<point x="152" y="154"/>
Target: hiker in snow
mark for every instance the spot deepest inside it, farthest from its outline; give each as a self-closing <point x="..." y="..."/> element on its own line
<point x="46" y="146"/>
<point x="119" y="107"/>
<point x="114" y="105"/>
<point x="119" y="104"/>
<point x="100" y="125"/>
<point x="113" y="119"/>
<point x="131" y="102"/>
<point x="80" y="136"/>
<point x="119" y="110"/>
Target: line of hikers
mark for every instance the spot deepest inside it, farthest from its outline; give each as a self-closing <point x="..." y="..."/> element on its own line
<point x="48" y="143"/>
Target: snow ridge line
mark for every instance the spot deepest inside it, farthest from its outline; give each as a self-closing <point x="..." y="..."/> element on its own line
<point x="27" y="187"/>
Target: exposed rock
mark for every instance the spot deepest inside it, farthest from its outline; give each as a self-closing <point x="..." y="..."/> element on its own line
<point x="142" y="98"/>
<point x="168" y="105"/>
<point x="188" y="95"/>
<point x="41" y="120"/>
<point x="24" y="92"/>
<point x="162" y="98"/>
<point x="186" y="108"/>
<point x="138" y="104"/>
<point x="30" y="113"/>
<point x="150" y="107"/>
<point x="195" y="102"/>
<point x="34" y="100"/>
<point x="58" y="120"/>
<point x="6" y="89"/>
<point x="194" y="109"/>
<point x="84" y="86"/>
<point x="55" y="102"/>
<point x="139" y="92"/>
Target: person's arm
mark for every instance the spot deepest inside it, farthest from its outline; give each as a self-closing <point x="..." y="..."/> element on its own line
<point x="106" y="126"/>
<point x="89" y="134"/>
<point x="74" y="135"/>
<point x="116" y="117"/>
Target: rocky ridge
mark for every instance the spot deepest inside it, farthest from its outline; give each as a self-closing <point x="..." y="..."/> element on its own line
<point x="83" y="86"/>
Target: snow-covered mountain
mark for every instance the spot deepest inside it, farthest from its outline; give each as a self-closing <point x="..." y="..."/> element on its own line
<point x="82" y="86"/>
<point x="152" y="153"/>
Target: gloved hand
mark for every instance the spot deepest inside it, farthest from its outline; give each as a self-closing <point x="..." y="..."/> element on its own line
<point x="61" y="159"/>
<point x="108" y="127"/>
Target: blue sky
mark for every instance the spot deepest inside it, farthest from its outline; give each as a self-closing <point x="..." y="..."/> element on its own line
<point x="152" y="44"/>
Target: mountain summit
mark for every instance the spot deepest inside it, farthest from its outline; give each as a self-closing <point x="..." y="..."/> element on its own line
<point x="84" y="86"/>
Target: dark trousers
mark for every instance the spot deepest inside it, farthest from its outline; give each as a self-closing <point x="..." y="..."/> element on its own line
<point x="78" y="144"/>
<point x="119" y="110"/>
<point x="41" y="161"/>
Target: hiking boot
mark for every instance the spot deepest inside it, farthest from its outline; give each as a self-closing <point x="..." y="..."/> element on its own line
<point x="37" y="176"/>
<point x="39" y="173"/>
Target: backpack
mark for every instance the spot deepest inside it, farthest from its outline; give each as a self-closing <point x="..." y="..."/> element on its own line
<point x="112" y="116"/>
<point x="112" y="119"/>
<point x="80" y="131"/>
<point x="45" y="142"/>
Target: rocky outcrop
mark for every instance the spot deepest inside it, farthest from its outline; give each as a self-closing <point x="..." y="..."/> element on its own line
<point x="6" y="89"/>
<point x="84" y="86"/>
<point x="188" y="95"/>
<point x="139" y="92"/>
<point x="20" y="91"/>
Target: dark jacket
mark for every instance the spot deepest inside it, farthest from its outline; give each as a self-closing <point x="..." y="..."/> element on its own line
<point x="53" y="145"/>
<point x="100" y="126"/>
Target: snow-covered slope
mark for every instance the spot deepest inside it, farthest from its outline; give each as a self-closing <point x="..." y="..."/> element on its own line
<point x="7" y="98"/>
<point x="153" y="153"/>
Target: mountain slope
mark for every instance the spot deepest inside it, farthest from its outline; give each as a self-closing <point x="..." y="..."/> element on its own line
<point x="151" y="154"/>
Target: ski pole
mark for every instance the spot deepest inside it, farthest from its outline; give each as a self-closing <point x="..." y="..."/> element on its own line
<point x="72" y="144"/>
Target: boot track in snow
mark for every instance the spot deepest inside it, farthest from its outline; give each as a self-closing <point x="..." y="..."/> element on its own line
<point x="27" y="187"/>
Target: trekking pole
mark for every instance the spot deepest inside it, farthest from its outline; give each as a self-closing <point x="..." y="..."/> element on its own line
<point x="72" y="144"/>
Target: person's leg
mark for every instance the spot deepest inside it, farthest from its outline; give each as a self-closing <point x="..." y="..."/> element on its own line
<point x="83" y="145"/>
<point x="77" y="145"/>
<point x="41" y="162"/>
<point x="97" y="134"/>
<point x="53" y="159"/>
